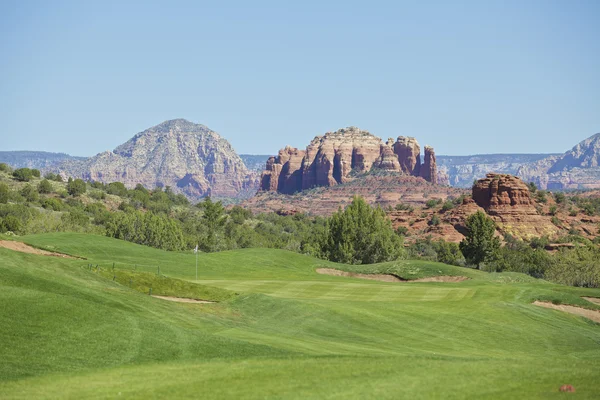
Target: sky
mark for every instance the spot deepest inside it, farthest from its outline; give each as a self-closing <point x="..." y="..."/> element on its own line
<point x="466" y="77"/>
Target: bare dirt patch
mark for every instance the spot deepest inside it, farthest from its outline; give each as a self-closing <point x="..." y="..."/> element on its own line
<point x="24" y="248"/>
<point x="589" y="314"/>
<point x="388" y="277"/>
<point x="594" y="300"/>
<point x="183" y="300"/>
<point x="441" y="278"/>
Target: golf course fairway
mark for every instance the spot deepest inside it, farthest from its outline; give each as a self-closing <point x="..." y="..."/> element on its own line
<point x="77" y="328"/>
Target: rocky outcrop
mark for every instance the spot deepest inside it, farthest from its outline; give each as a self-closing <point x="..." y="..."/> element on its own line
<point x="429" y="168"/>
<point x="283" y="172"/>
<point x="188" y="157"/>
<point x="497" y="191"/>
<point x="409" y="155"/>
<point x="507" y="200"/>
<point x="336" y="157"/>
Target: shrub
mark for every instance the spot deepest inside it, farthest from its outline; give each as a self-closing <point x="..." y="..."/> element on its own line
<point x="556" y="221"/>
<point x="23" y="174"/>
<point x="431" y="203"/>
<point x="44" y="187"/>
<point x="4" y="193"/>
<point x="434" y="221"/>
<point x="52" y="204"/>
<point x="447" y="206"/>
<point x="559" y="197"/>
<point x="402" y="231"/>
<point x="36" y="173"/>
<point x="116" y="188"/>
<point x="30" y="193"/>
<point x="98" y="195"/>
<point x="76" y="187"/>
<point x="5" y="168"/>
<point x="10" y="223"/>
<point x="75" y="218"/>
<point x="553" y="210"/>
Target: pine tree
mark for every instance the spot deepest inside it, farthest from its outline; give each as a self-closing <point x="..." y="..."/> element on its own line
<point x="360" y="234"/>
<point x="480" y="245"/>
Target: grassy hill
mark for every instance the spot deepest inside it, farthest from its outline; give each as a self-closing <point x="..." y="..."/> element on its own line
<point x="280" y="329"/>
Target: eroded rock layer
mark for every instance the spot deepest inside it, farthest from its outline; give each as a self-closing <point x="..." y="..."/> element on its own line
<point x="335" y="157"/>
<point x="507" y="200"/>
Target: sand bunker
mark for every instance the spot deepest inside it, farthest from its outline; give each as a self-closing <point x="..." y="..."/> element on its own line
<point x="388" y="277"/>
<point x="24" y="248"/>
<point x="183" y="300"/>
<point x="589" y="314"/>
<point x="592" y="300"/>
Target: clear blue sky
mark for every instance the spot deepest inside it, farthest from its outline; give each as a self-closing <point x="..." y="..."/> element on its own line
<point x="82" y="77"/>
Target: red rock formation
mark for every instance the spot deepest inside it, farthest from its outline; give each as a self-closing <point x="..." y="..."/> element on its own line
<point x="507" y="200"/>
<point x="497" y="192"/>
<point x="387" y="159"/>
<point x="270" y="176"/>
<point x="283" y="173"/>
<point x="330" y="159"/>
<point x="409" y="155"/>
<point x="429" y="167"/>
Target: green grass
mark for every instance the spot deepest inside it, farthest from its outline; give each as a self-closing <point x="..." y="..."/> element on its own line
<point x="68" y="332"/>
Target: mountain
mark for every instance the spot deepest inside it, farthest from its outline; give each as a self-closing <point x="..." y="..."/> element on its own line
<point x="188" y="157"/>
<point x="255" y="162"/>
<point x="336" y="157"/>
<point x="578" y="168"/>
<point x="34" y="159"/>
<point x="463" y="170"/>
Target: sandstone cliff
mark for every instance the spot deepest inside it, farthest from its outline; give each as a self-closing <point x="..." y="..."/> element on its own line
<point x="190" y="158"/>
<point x="507" y="200"/>
<point x="335" y="158"/>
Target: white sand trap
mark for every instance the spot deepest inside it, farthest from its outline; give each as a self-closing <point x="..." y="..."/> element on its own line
<point x="183" y="300"/>
<point x="388" y="277"/>
<point x="582" y="312"/>
<point x="24" y="248"/>
<point x="592" y="300"/>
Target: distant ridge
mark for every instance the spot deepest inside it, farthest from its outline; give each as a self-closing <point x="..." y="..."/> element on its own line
<point x="34" y="159"/>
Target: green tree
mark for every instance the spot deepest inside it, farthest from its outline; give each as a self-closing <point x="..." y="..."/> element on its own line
<point x="360" y="234"/>
<point x="76" y="187"/>
<point x="214" y="219"/>
<point x="480" y="245"/>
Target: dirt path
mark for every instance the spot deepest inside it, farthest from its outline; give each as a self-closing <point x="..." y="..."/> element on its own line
<point x="24" y="248"/>
<point x="589" y="314"/>
<point x="183" y="300"/>
<point x="388" y="277"/>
